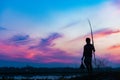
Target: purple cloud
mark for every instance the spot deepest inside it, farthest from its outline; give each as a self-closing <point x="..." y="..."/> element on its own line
<point x="55" y="55"/>
<point x="2" y="28"/>
<point x="116" y="2"/>
<point x="47" y="42"/>
<point x="47" y="54"/>
<point x="19" y="39"/>
<point x="43" y="52"/>
<point x="72" y="24"/>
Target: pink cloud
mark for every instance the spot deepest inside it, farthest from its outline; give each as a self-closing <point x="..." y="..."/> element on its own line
<point x="105" y="32"/>
<point x="43" y="52"/>
<point x="114" y="57"/>
<point x="117" y="46"/>
<point x="11" y="52"/>
<point x="98" y="34"/>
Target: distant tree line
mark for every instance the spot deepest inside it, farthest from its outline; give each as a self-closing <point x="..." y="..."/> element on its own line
<point x="32" y="71"/>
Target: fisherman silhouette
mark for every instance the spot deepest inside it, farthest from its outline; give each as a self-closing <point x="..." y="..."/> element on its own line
<point x="87" y="55"/>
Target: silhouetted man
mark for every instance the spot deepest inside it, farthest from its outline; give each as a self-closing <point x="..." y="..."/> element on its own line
<point x="87" y="54"/>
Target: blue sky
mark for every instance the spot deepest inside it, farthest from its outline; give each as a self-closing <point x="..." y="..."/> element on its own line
<point x="40" y="9"/>
<point x="42" y="13"/>
<point x="45" y="31"/>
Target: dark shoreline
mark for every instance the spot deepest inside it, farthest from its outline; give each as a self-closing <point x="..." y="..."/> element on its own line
<point x="31" y="71"/>
<point x="8" y="73"/>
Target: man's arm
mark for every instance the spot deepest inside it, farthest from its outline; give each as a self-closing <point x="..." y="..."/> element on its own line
<point x="93" y="48"/>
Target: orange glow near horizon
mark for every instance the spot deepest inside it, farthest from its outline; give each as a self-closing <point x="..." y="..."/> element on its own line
<point x="72" y="48"/>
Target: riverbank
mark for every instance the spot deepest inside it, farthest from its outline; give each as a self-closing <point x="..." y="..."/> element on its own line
<point x="30" y="73"/>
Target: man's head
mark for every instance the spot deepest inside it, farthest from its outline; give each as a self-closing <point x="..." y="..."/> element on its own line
<point x="88" y="40"/>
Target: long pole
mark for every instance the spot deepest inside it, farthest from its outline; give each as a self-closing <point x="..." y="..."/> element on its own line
<point x="92" y="38"/>
<point x="91" y="31"/>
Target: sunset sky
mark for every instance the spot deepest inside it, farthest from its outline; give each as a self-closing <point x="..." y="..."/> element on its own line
<point x="51" y="33"/>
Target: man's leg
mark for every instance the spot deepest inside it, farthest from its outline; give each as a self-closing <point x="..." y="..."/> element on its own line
<point x="90" y="67"/>
<point x="89" y="64"/>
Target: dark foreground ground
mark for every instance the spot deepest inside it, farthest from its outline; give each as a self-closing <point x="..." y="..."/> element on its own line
<point x="114" y="75"/>
<point x="28" y="73"/>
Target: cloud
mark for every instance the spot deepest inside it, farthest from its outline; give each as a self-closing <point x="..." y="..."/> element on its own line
<point x="19" y="39"/>
<point x="54" y="55"/>
<point x="48" y="41"/>
<point x="117" y="46"/>
<point x="71" y="24"/>
<point x="41" y="52"/>
<point x="46" y="53"/>
<point x="117" y="2"/>
<point x="105" y="32"/>
<point x="99" y="33"/>
<point x="2" y="28"/>
<point x="102" y="15"/>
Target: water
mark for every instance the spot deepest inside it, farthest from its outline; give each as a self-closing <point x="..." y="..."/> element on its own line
<point x="39" y="77"/>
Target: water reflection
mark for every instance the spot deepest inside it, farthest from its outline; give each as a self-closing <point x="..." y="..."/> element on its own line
<point x="36" y="77"/>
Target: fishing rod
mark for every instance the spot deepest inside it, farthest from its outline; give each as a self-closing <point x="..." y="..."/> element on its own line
<point x="92" y="37"/>
<point x="91" y="31"/>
